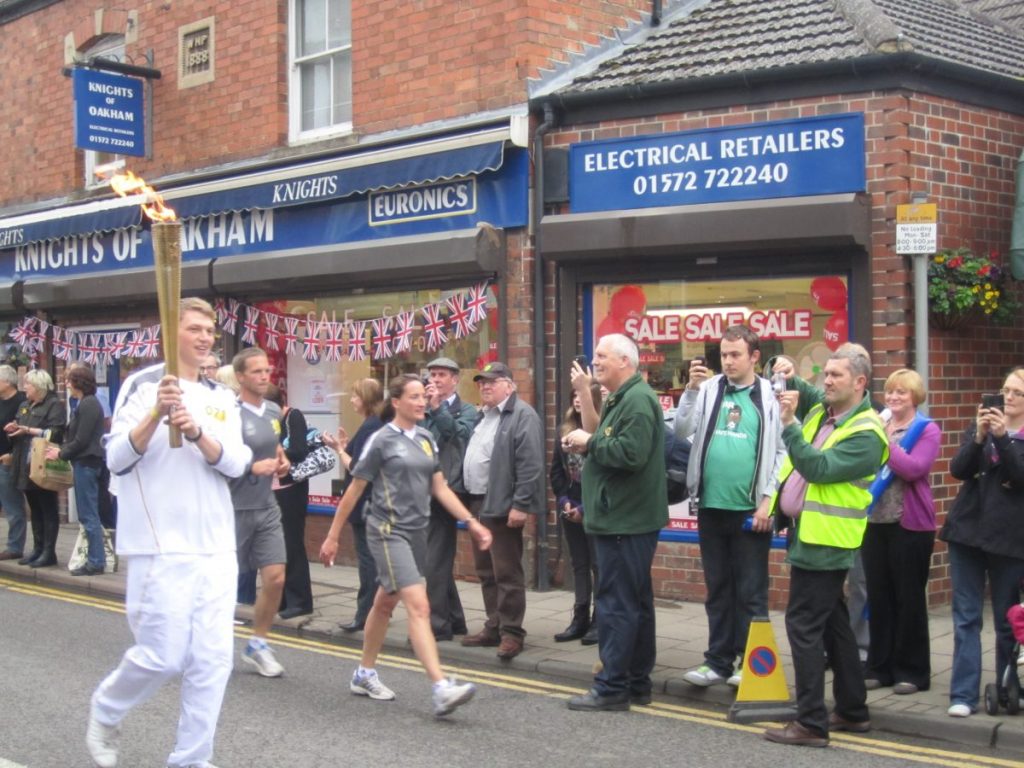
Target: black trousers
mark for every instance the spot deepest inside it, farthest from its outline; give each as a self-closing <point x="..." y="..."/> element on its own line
<point x="817" y="622"/>
<point x="42" y="506"/>
<point x="625" y="611"/>
<point x="446" y="614"/>
<point x="583" y="560"/>
<point x="298" y="591"/>
<point x="896" y="564"/>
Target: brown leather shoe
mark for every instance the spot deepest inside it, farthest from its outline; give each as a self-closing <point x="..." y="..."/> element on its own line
<point x="10" y="555"/>
<point x="510" y="647"/>
<point x="837" y="722"/>
<point x="796" y="735"/>
<point x="482" y="639"/>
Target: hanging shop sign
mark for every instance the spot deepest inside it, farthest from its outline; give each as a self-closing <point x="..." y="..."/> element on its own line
<point x="108" y="113"/>
<point x="709" y="325"/>
<point x="787" y="158"/>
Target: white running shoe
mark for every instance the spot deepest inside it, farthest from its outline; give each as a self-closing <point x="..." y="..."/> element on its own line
<point x="449" y="694"/>
<point x="735" y="679"/>
<point x="369" y="684"/>
<point x="959" y="710"/>
<point x="264" y="661"/>
<point x="103" y="742"/>
<point x="703" y="676"/>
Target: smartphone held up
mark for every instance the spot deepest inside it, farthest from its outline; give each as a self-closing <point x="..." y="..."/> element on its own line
<point x="993" y="401"/>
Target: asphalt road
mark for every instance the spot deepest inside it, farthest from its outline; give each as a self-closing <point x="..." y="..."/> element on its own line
<point x="56" y="646"/>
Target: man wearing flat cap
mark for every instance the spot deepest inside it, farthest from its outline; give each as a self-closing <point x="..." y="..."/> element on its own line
<point x="503" y="473"/>
<point x="450" y="421"/>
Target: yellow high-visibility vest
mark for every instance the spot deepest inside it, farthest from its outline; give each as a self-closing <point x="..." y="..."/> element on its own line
<point x="836" y="514"/>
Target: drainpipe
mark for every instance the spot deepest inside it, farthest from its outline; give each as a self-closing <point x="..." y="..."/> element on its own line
<point x="655" y="13"/>
<point x="543" y="577"/>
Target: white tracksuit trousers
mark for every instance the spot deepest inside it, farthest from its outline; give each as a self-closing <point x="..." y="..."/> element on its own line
<point x="180" y="609"/>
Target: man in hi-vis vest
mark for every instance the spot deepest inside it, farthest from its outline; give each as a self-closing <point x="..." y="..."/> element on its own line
<point x="834" y="450"/>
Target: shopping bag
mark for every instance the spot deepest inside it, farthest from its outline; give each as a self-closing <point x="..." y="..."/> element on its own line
<point x="51" y="474"/>
<point x="80" y="551"/>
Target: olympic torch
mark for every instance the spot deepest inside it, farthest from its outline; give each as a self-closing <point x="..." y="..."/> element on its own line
<point x="166" y="237"/>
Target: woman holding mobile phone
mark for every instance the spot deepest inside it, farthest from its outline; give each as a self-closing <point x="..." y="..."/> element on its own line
<point x="566" y="470"/>
<point x="986" y="538"/>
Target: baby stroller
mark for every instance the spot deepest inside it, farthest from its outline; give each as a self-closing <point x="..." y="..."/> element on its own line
<point x="1011" y="684"/>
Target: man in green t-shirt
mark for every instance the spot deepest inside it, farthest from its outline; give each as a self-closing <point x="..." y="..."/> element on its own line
<point x="733" y="470"/>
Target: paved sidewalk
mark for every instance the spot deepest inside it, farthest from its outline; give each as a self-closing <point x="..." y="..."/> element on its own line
<point x="682" y="634"/>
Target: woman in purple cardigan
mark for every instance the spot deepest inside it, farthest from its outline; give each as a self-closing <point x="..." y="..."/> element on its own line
<point x="898" y="545"/>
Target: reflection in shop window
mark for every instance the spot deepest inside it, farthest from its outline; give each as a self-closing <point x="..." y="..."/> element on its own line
<point x="674" y="321"/>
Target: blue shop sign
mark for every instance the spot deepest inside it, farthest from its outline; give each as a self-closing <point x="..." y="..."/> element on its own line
<point x="108" y="113"/>
<point x="786" y="158"/>
<point x="499" y="198"/>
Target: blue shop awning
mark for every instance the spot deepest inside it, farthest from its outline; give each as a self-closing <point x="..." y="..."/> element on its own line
<point x="303" y="184"/>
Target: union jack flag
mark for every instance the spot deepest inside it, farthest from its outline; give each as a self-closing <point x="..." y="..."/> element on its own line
<point x="291" y="334"/>
<point x="356" y="340"/>
<point x="221" y="311"/>
<point x="458" y="316"/>
<point x="251" y="325"/>
<point x="381" y="338"/>
<point x="476" y="304"/>
<point x="231" y="317"/>
<point x="405" y="322"/>
<point x="59" y="346"/>
<point x="311" y="342"/>
<point x="21" y="333"/>
<point x="273" y="336"/>
<point x="151" y="341"/>
<point x="90" y="348"/>
<point x="39" y="337"/>
<point x="119" y="344"/>
<point x="104" y="349"/>
<point x="433" y="327"/>
<point x="333" y="344"/>
<point x="133" y="347"/>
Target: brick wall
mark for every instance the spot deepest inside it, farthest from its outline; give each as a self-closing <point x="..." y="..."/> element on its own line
<point x="963" y="158"/>
<point x="413" y="63"/>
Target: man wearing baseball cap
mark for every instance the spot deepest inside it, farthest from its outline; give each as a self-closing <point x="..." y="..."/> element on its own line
<point x="503" y="473"/>
<point x="450" y="421"/>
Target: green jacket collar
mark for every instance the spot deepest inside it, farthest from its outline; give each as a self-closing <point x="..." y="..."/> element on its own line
<point x="618" y="394"/>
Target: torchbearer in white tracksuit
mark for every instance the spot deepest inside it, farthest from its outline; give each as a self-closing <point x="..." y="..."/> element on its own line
<point x="176" y="533"/>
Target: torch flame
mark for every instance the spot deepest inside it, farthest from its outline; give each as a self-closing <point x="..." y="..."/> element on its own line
<point x="127" y="183"/>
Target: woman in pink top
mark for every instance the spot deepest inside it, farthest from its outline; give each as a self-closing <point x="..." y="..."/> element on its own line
<point x="897" y="549"/>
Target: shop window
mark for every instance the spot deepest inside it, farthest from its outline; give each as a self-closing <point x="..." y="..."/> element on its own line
<point x="675" y="320"/>
<point x="321" y="389"/>
<point x="320" y="85"/>
<point x="99" y="165"/>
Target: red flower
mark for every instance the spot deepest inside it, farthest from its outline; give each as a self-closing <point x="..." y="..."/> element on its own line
<point x="983" y="271"/>
<point x="956" y="262"/>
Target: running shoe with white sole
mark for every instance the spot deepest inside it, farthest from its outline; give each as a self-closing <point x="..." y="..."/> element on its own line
<point x="369" y="684"/>
<point x="264" y="661"/>
<point x="449" y="694"/>
<point x="735" y="679"/>
<point x="103" y="742"/>
<point x="703" y="676"/>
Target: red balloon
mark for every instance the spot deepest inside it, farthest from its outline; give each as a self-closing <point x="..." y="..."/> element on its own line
<point x="836" y="330"/>
<point x="829" y="293"/>
<point x="628" y="301"/>
<point x="609" y="325"/>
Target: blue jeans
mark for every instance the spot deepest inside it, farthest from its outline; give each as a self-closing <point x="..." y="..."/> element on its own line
<point x="13" y="503"/>
<point x="87" y="503"/>
<point x="625" y="608"/>
<point x="735" y="565"/>
<point x="968" y="568"/>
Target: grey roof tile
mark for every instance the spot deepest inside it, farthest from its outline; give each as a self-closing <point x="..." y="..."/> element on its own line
<point x="736" y="36"/>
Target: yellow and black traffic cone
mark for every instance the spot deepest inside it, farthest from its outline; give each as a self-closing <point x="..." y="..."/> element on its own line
<point x="762" y="694"/>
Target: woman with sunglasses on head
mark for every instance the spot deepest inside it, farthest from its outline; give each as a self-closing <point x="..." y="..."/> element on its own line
<point x="401" y="462"/>
<point x="985" y="533"/>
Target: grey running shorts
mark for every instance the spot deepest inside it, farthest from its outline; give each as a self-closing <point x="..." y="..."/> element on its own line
<point x="259" y="538"/>
<point x="399" y="554"/>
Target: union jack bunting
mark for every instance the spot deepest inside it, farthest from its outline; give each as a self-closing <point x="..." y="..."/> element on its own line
<point x="291" y="334"/>
<point x="273" y="336"/>
<point x="251" y="325"/>
<point x="231" y="317"/>
<point x="20" y="334"/>
<point x="119" y="344"/>
<point x="221" y="311"/>
<point x="476" y="304"/>
<point x="433" y="327"/>
<point x="151" y="341"/>
<point x="39" y="336"/>
<point x="105" y="349"/>
<point x="405" y="323"/>
<point x="133" y="346"/>
<point x="458" y="316"/>
<point x="311" y="342"/>
<point x="357" y="340"/>
<point x="59" y="345"/>
<point x="333" y="345"/>
<point x="89" y="347"/>
<point x="381" y="338"/>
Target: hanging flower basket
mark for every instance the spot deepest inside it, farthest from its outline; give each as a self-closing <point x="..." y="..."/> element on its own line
<point x="965" y="289"/>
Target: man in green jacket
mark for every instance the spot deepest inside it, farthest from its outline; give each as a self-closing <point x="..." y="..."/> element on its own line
<point x="625" y="506"/>
<point x="823" y="493"/>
